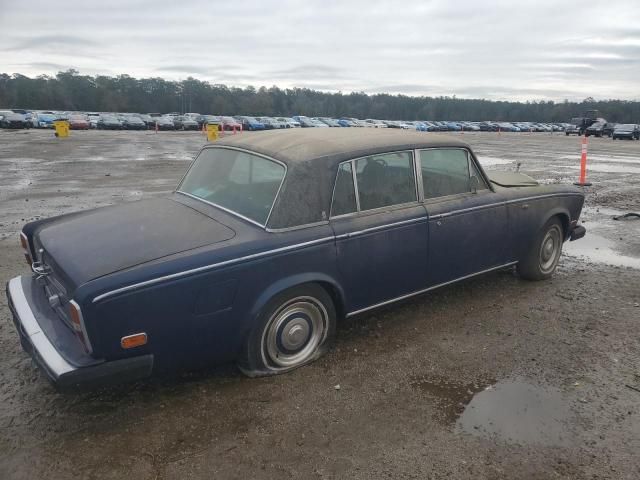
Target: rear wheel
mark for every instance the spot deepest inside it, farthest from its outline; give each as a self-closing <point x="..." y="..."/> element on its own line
<point x="541" y="260"/>
<point x="295" y="328"/>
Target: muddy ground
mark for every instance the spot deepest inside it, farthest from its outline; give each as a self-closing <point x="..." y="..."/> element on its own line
<point x="491" y="378"/>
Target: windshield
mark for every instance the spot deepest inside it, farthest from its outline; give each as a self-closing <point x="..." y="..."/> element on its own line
<point x="241" y="182"/>
<point x="626" y="126"/>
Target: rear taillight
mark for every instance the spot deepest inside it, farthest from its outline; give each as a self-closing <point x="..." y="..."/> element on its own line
<point x="77" y="322"/>
<point x="24" y="242"/>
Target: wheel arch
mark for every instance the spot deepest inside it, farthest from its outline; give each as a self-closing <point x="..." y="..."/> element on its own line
<point x="328" y="283"/>
<point x="561" y="214"/>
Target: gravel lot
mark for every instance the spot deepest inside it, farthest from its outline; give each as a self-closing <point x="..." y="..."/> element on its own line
<point x="492" y="378"/>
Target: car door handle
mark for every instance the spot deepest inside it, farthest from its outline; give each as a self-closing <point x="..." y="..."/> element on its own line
<point x="525" y="206"/>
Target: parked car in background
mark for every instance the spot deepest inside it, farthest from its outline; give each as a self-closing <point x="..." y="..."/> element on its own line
<point x="133" y="122"/>
<point x="627" y="131"/>
<point x="165" y="123"/>
<point x="332" y="122"/>
<point x="209" y="119"/>
<point x="109" y="122"/>
<point x="346" y="122"/>
<point x="596" y="129"/>
<point x="78" y="122"/>
<point x="271" y="123"/>
<point x="93" y="118"/>
<point x="289" y="122"/>
<point x="305" y="122"/>
<point x="183" y="122"/>
<point x="571" y="130"/>
<point x="12" y="119"/>
<point x="608" y="128"/>
<point x="319" y="123"/>
<point x="266" y="243"/>
<point x="250" y="123"/>
<point x="230" y="123"/>
<point x="375" y="123"/>
<point x="43" y="120"/>
<point x="149" y="121"/>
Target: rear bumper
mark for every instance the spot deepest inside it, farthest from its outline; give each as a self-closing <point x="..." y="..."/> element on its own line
<point x="577" y="233"/>
<point x="60" y="369"/>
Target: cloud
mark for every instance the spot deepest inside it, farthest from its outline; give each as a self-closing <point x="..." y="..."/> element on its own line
<point x="498" y="49"/>
<point x="51" y="41"/>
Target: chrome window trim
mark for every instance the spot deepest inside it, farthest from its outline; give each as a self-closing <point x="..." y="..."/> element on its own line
<point x="375" y="211"/>
<point x="212" y="266"/>
<point x="235" y="214"/>
<point x="417" y="165"/>
<point x="243" y="150"/>
<point x="297" y="227"/>
<point x="424" y="290"/>
<point x="357" y="192"/>
<point x="354" y="178"/>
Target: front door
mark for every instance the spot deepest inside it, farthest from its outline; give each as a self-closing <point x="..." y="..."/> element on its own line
<point x="381" y="229"/>
<point x="467" y="219"/>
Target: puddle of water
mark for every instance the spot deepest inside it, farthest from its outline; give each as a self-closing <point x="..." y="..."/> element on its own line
<point x="486" y="161"/>
<point x="512" y="410"/>
<point x="518" y="412"/>
<point x="452" y="398"/>
<point x="598" y="249"/>
<point x="605" y="168"/>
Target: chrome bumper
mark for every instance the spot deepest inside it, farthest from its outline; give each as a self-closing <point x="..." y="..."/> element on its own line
<point x="26" y="308"/>
<point x="33" y="339"/>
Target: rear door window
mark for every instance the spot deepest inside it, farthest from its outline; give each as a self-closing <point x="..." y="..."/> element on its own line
<point x="385" y="180"/>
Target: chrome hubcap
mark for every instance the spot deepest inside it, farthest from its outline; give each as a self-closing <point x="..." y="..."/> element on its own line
<point x="294" y="333"/>
<point x="550" y="249"/>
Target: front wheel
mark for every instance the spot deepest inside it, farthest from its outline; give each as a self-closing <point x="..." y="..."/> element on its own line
<point x="295" y="328"/>
<point x="540" y="262"/>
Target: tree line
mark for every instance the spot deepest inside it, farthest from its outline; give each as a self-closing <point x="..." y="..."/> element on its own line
<point x="72" y="91"/>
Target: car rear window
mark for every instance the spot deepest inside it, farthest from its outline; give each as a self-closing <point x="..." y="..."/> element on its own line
<point x="238" y="181"/>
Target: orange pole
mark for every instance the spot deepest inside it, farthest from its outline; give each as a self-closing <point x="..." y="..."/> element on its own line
<point x="583" y="165"/>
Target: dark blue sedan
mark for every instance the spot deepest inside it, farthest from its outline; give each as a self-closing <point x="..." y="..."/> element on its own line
<point x="267" y="242"/>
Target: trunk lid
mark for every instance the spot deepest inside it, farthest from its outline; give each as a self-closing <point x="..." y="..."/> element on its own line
<point x="95" y="243"/>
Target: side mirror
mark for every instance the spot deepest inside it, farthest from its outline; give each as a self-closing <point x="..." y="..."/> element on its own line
<point x="474" y="183"/>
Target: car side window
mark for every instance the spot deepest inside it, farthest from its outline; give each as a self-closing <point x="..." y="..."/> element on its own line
<point x="385" y="180"/>
<point x="344" y="194"/>
<point x="447" y="171"/>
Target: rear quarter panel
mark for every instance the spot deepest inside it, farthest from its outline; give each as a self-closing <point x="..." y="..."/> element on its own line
<point x="204" y="317"/>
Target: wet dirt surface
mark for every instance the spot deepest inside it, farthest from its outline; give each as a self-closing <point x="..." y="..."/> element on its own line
<point x="548" y="372"/>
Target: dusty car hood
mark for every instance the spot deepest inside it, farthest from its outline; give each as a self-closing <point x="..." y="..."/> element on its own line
<point x="91" y="244"/>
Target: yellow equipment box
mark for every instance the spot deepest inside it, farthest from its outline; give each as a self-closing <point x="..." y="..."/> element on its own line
<point x="62" y="128"/>
<point x="212" y="132"/>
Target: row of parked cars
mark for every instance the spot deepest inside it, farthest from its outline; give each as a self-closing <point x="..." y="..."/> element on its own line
<point x="602" y="128"/>
<point x="18" y="118"/>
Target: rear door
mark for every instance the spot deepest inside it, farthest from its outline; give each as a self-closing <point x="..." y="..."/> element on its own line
<point x="467" y="220"/>
<point x="380" y="228"/>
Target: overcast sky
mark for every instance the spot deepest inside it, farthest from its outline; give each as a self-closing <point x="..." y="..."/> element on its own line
<point x="517" y="50"/>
